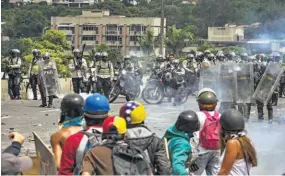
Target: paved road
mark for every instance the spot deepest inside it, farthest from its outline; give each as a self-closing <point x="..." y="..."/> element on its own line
<point x="26" y="116"/>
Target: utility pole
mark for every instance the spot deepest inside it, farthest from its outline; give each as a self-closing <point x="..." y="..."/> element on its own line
<point x="162" y="28"/>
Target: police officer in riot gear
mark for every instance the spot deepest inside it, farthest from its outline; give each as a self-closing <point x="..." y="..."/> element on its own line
<point x="34" y="72"/>
<point x="159" y="63"/>
<point x="78" y="67"/>
<point x="190" y="67"/>
<point x="105" y="74"/>
<point x="178" y="78"/>
<point x="260" y="104"/>
<point x="276" y="59"/>
<point x="231" y="55"/>
<point x="13" y="69"/>
<point x="244" y="58"/>
<point x="138" y="68"/>
<point x="47" y="71"/>
<point x="282" y="79"/>
<point x="170" y="63"/>
<point x="93" y="78"/>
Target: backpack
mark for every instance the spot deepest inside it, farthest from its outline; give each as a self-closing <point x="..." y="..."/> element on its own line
<point x="209" y="135"/>
<point x="90" y="139"/>
<point x="130" y="160"/>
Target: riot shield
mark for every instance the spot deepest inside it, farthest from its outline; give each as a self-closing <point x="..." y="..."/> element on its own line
<point x="48" y="77"/>
<point x="227" y="82"/>
<point x="268" y="82"/>
<point x="209" y="78"/>
<point x="245" y="82"/>
<point x="45" y="157"/>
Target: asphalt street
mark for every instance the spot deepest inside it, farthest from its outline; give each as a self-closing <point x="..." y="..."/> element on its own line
<point x="25" y="117"/>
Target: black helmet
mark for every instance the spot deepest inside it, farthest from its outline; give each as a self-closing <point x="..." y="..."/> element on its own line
<point x="211" y="56"/>
<point x="244" y="56"/>
<point x="207" y="99"/>
<point x="76" y="52"/>
<point x="71" y="105"/>
<point x="97" y="56"/>
<point x="104" y="54"/>
<point x="35" y="52"/>
<point x="187" y="122"/>
<point x="232" y="120"/>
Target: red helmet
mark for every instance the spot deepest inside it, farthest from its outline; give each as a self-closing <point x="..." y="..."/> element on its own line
<point x="114" y="125"/>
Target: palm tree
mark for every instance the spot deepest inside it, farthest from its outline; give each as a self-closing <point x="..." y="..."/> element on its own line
<point x="175" y="38"/>
<point x="147" y="42"/>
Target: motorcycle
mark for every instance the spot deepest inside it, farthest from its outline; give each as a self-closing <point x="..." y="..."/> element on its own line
<point x="127" y="84"/>
<point x="164" y="84"/>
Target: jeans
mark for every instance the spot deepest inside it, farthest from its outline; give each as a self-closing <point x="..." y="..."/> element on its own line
<point x="209" y="161"/>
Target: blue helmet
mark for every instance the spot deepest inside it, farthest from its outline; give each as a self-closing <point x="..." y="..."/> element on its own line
<point x="96" y="103"/>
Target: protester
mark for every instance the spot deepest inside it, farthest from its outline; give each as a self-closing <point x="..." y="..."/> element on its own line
<point x="98" y="160"/>
<point x="95" y="109"/>
<point x="178" y="137"/>
<point x="140" y="136"/>
<point x="238" y="152"/>
<point x="11" y="164"/>
<point x="208" y="158"/>
<point x="71" y="121"/>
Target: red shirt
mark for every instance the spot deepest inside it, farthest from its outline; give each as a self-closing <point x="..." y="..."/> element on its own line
<point x="67" y="162"/>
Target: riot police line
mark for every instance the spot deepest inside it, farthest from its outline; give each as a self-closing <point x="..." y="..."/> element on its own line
<point x="235" y="77"/>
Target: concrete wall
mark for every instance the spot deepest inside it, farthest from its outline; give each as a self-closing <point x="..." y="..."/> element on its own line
<point x="225" y="33"/>
<point x="64" y="87"/>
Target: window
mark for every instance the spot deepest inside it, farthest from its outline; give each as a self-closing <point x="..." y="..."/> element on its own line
<point x="111" y="39"/>
<point x="111" y="29"/>
<point x="143" y="28"/>
<point x="90" y="28"/>
<point x="136" y="27"/>
<point x="134" y="38"/>
<point x="69" y="38"/>
<point x="65" y="28"/>
<point x="89" y="37"/>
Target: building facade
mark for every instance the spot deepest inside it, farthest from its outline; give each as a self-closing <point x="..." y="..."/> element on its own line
<point x="227" y="33"/>
<point x="97" y="27"/>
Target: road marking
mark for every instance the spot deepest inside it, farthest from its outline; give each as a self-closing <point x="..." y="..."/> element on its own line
<point x="51" y="110"/>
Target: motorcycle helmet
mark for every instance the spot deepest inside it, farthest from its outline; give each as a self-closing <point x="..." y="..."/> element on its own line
<point x="96" y="106"/>
<point x="134" y="112"/>
<point x="71" y="106"/>
<point x="188" y="122"/>
<point x="190" y="56"/>
<point x="14" y="52"/>
<point x="104" y="54"/>
<point x="244" y="56"/>
<point x="35" y="52"/>
<point x="207" y="52"/>
<point x="97" y="56"/>
<point x="159" y="58"/>
<point x="114" y="128"/>
<point x="207" y="99"/>
<point x="176" y="62"/>
<point x="127" y="57"/>
<point x="211" y="56"/>
<point x="232" y="120"/>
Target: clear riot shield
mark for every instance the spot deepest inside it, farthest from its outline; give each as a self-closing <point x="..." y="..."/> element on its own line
<point x="48" y="77"/>
<point x="209" y="78"/>
<point x="268" y="82"/>
<point x="227" y="82"/>
<point x="245" y="82"/>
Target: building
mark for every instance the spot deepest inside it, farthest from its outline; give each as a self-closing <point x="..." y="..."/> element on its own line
<point x="227" y="33"/>
<point x="97" y="27"/>
<point x="76" y="3"/>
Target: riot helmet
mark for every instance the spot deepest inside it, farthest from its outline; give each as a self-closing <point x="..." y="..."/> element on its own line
<point x="232" y="120"/>
<point x="207" y="52"/>
<point x="36" y="53"/>
<point x="270" y="58"/>
<point x="211" y="56"/>
<point x="134" y="112"/>
<point x="159" y="58"/>
<point x="46" y="56"/>
<point x="190" y="57"/>
<point x="231" y="55"/>
<point x="188" y="122"/>
<point x="71" y="107"/>
<point x="96" y="106"/>
<point x="114" y="128"/>
<point x="97" y="56"/>
<point x="276" y="57"/>
<point x="127" y="58"/>
<point x="76" y="53"/>
<point x="207" y="99"/>
<point x="14" y="52"/>
<point x="176" y="63"/>
<point x="244" y="56"/>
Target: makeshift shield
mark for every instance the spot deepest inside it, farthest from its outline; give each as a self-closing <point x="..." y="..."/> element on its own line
<point x="45" y="157"/>
<point x="268" y="82"/>
<point x="48" y="77"/>
<point x="208" y="77"/>
<point x="245" y="82"/>
<point x="227" y="82"/>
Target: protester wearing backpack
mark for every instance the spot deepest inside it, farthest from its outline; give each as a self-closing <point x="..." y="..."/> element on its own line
<point x="71" y="120"/>
<point x="178" y="137"/>
<point x="138" y="135"/>
<point x="208" y="135"/>
<point x="115" y="157"/>
<point x="95" y="109"/>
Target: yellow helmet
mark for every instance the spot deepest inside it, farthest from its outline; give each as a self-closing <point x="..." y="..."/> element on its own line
<point x="134" y="112"/>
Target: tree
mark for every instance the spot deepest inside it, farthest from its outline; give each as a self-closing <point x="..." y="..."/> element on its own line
<point x="147" y="42"/>
<point x="176" y="38"/>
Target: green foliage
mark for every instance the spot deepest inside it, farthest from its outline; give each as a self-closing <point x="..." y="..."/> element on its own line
<point x="206" y="46"/>
<point x="238" y="50"/>
<point x="147" y="42"/>
<point x="114" y="55"/>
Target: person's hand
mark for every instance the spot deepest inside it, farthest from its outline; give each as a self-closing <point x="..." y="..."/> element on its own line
<point x="193" y="167"/>
<point x="16" y="137"/>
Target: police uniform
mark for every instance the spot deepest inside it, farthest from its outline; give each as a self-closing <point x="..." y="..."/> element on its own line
<point x="78" y="68"/>
<point x="105" y="75"/>
<point x="14" y="72"/>
<point x="34" y="70"/>
<point x="191" y="69"/>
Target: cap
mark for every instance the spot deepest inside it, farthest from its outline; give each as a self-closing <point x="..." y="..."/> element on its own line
<point x="11" y="164"/>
